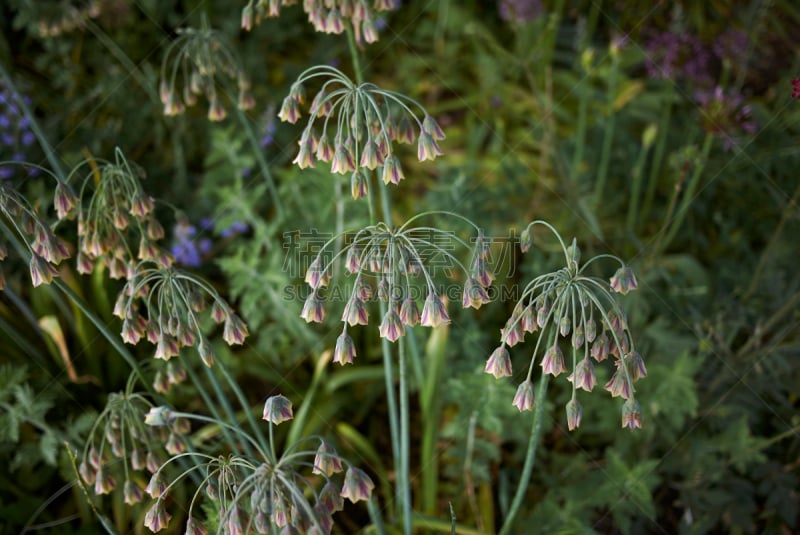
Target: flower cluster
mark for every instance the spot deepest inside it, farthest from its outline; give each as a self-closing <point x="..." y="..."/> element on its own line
<point x="67" y="17"/>
<point x="46" y="249"/>
<point x="193" y="65"/>
<point x="670" y="55"/>
<point x="395" y="259"/>
<point x="163" y="305"/>
<point x="327" y="16"/>
<point x="571" y="305"/>
<point x="268" y="494"/>
<point x="361" y="123"/>
<point x="120" y="435"/>
<point x="16" y="135"/>
<point x="725" y="115"/>
<point x="117" y="206"/>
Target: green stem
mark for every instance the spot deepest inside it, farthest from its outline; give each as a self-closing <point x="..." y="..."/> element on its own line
<point x="638" y="169"/>
<point x="689" y="194"/>
<point x="608" y="138"/>
<point x="248" y="410"/>
<point x="404" y="473"/>
<point x="210" y="405"/>
<point x="226" y="406"/>
<point x="355" y="56"/>
<point x="658" y="155"/>
<point x="580" y="136"/>
<point x="530" y="457"/>
<point x="262" y="163"/>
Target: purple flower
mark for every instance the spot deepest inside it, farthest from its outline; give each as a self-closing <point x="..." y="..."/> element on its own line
<point x="520" y="11"/>
<point x="237" y="227"/>
<point x="796" y="88"/>
<point x="725" y="115"/>
<point x="187" y="248"/>
<point x="670" y="55"/>
<point x="730" y="45"/>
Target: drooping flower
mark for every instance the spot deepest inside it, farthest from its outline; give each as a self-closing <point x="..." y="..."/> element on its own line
<point x="523" y="399"/>
<point x="278" y="409"/>
<point x="357" y="485"/>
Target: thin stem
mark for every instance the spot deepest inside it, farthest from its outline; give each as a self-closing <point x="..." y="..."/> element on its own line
<point x="608" y="138"/>
<point x="262" y="163"/>
<point x="638" y="171"/>
<point x="658" y="155"/>
<point x="226" y="406"/>
<point x="405" y="471"/>
<point x="354" y="55"/>
<point x="689" y="194"/>
<point x="530" y="457"/>
<point x="248" y="411"/>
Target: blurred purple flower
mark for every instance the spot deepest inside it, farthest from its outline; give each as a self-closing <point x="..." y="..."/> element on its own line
<point x="15" y="131"/>
<point x="796" y="88"/>
<point x="237" y="227"/>
<point x="187" y="248"/>
<point x="730" y="45"/>
<point x="520" y="11"/>
<point x="670" y="55"/>
<point x="725" y="115"/>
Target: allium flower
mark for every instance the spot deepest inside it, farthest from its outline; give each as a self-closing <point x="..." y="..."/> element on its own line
<point x="278" y="409"/>
<point x="574" y="414"/>
<point x="523" y="399"/>
<point x="117" y="209"/>
<point x="164" y="305"/>
<point x="357" y="485"/>
<point x="327" y="16"/>
<point x="194" y="64"/>
<point x="568" y="305"/>
<point x="631" y="414"/>
<point x="397" y="258"/>
<point x="359" y="126"/>
<point x="725" y="115"/>
<point x="326" y="461"/>
<point x="499" y="363"/>
<point x="115" y="449"/>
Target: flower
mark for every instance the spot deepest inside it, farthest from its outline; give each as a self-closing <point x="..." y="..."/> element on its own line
<point x="186" y="248"/>
<point x="670" y="55"/>
<point x="796" y="88"/>
<point x="553" y="361"/>
<point x="574" y="413"/>
<point x="499" y="363"/>
<point x="523" y="399"/>
<point x="326" y="460"/>
<point x="631" y="414"/>
<point x="345" y="350"/>
<point x="357" y="485"/>
<point x="624" y="280"/>
<point x="277" y="409"/>
<point x="725" y="115"/>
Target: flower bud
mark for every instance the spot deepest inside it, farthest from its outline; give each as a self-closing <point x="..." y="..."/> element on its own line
<point x="277" y="409"/>
<point x="345" y="350"/>
<point x="574" y="413"/>
<point x="523" y="399"/>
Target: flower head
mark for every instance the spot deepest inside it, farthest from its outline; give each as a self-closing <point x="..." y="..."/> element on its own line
<point x="277" y="409"/>
<point x="574" y="413"/>
<point x="357" y="485"/>
<point x="523" y="399"/>
<point x="632" y="414"/>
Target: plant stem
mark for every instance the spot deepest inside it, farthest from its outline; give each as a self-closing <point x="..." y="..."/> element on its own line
<point x="354" y="55"/>
<point x="248" y="410"/>
<point x="404" y="473"/>
<point x="209" y="403"/>
<point x="530" y="457"/>
<point x="262" y="163"/>
<point x="658" y="155"/>
<point x="689" y="194"/>
<point x="226" y="405"/>
<point x="608" y="137"/>
<point x="638" y="171"/>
